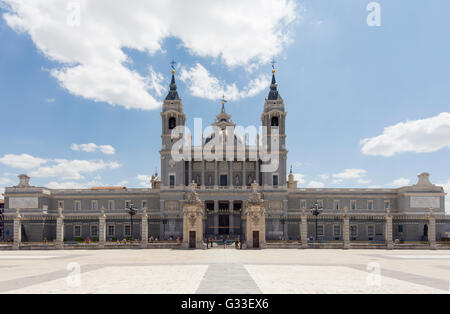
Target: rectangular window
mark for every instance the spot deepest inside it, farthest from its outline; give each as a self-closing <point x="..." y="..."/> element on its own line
<point x="400" y="228"/>
<point x="303" y="204"/>
<point x="387" y="204"/>
<point x="354" y="231"/>
<point x="171" y="180"/>
<point x="320" y="230"/>
<point x="337" y="231"/>
<point x="127" y="204"/>
<point x="77" y="231"/>
<point x="144" y="204"/>
<point x="223" y="180"/>
<point x="77" y="205"/>
<point x="110" y="205"/>
<point x="370" y="231"/>
<point x="94" y="231"/>
<point x="369" y="205"/>
<point x="94" y="205"/>
<point x="111" y="230"/>
<point x="336" y="205"/>
<point x="61" y="204"/>
<point x="353" y="205"/>
<point x="127" y="230"/>
<point x="275" y="180"/>
<point x="320" y="202"/>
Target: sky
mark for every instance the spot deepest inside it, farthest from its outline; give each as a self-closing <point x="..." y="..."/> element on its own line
<point x="365" y="85"/>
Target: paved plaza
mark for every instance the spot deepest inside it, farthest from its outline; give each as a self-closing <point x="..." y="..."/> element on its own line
<point x="227" y="271"/>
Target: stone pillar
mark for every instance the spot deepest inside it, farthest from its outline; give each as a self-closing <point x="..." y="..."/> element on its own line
<point x="102" y="228"/>
<point x="388" y="231"/>
<point x="255" y="212"/>
<point x="285" y="216"/>
<point x="231" y="210"/>
<point x="189" y="172"/>
<point x="216" y="217"/>
<point x="304" y="229"/>
<point x="244" y="173"/>
<point x="203" y="173"/>
<point x="17" y="231"/>
<point x="60" y="230"/>
<point x="144" y="228"/>
<point x="432" y="230"/>
<point x="257" y="171"/>
<point x="346" y="231"/>
<point x="192" y="220"/>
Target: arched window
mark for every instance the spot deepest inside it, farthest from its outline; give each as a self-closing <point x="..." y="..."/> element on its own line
<point x="172" y="123"/>
<point x="274" y="121"/>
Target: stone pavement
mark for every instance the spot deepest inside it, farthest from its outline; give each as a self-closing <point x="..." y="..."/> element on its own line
<point x="225" y="271"/>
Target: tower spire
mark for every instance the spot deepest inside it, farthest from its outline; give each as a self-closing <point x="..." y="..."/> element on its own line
<point x="173" y="93"/>
<point x="273" y="93"/>
<point x="223" y="100"/>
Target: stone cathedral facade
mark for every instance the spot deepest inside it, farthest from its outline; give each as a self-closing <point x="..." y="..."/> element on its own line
<point x="223" y="189"/>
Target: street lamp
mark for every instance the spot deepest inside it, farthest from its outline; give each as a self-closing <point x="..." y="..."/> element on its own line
<point x="316" y="210"/>
<point x="132" y="210"/>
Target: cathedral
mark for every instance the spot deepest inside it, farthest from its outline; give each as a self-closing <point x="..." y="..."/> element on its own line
<point x="224" y="189"/>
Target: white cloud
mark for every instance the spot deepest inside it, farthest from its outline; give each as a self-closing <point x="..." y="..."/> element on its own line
<point x="94" y="64"/>
<point x="144" y="180"/>
<point x="23" y="161"/>
<point x="300" y="178"/>
<point x="420" y="136"/>
<point x="66" y="185"/>
<point x="315" y="184"/>
<point x="324" y="176"/>
<point x="92" y="147"/>
<point x="202" y="84"/>
<point x="4" y="181"/>
<point x="72" y="169"/>
<point x="401" y="182"/>
<point x="337" y="181"/>
<point x="350" y="174"/>
<point x="363" y="181"/>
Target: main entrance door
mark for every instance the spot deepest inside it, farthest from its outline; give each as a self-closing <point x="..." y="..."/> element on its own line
<point x="192" y="239"/>
<point x="224" y="224"/>
<point x="256" y="239"/>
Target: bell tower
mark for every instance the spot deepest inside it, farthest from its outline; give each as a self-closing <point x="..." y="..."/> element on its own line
<point x="172" y="115"/>
<point x="274" y="120"/>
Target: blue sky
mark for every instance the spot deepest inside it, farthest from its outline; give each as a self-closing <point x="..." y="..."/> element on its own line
<point x="342" y="81"/>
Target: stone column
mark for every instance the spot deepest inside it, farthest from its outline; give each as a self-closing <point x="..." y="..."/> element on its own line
<point x="244" y="173"/>
<point x="346" y="231"/>
<point x="216" y="174"/>
<point x="230" y="173"/>
<point x="388" y="231"/>
<point x="257" y="171"/>
<point x="304" y="229"/>
<point x="216" y="217"/>
<point x="203" y="173"/>
<point x="60" y="230"/>
<point x="17" y="231"/>
<point x="102" y="228"/>
<point x="231" y="210"/>
<point x="285" y="216"/>
<point x="144" y="228"/>
<point x="432" y="230"/>
<point x="189" y="172"/>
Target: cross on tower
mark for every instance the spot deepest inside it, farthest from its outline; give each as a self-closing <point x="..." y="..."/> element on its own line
<point x="173" y="64"/>
<point x="223" y="103"/>
<point x="273" y="63"/>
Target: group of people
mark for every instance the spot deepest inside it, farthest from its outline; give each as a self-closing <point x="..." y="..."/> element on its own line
<point x="211" y="240"/>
